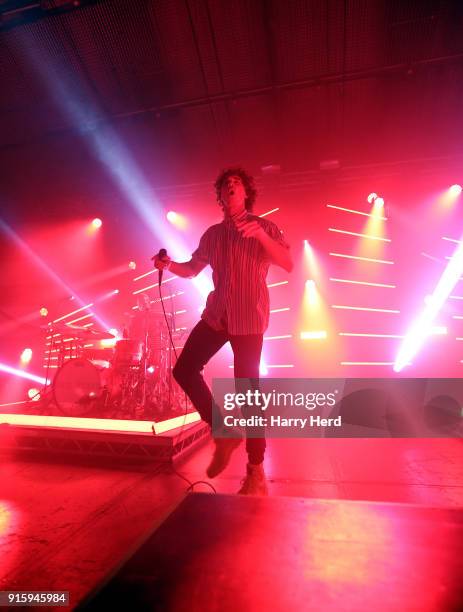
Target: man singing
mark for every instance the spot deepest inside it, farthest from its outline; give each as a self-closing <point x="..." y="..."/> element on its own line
<point x="239" y="251"/>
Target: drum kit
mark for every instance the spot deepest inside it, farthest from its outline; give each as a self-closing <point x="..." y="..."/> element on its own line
<point x="133" y="379"/>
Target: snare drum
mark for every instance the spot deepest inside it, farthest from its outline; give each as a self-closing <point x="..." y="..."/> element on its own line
<point x="127" y="353"/>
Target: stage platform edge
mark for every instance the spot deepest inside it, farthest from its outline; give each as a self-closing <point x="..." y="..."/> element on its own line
<point x="168" y="447"/>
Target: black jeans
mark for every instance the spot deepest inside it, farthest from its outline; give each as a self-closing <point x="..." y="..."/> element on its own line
<point x="201" y="345"/>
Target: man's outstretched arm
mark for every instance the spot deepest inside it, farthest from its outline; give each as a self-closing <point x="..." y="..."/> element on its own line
<point x="185" y="269"/>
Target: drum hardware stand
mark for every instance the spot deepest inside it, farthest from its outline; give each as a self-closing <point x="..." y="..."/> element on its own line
<point x="46" y="392"/>
<point x="144" y="359"/>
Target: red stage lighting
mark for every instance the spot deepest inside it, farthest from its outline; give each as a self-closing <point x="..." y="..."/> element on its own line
<point x="97" y="223"/>
<point x="372" y="197"/>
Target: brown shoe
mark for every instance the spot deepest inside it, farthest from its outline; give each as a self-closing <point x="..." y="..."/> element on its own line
<point x="224" y="448"/>
<point x="255" y="482"/>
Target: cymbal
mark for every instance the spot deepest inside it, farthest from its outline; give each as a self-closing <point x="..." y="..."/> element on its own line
<point x="62" y="328"/>
<point x="99" y="334"/>
<point x="79" y="332"/>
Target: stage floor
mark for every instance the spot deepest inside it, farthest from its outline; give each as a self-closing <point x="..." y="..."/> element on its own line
<point x="228" y="553"/>
<point x="64" y="526"/>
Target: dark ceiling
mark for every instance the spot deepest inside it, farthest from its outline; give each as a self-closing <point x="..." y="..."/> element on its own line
<point x="288" y="82"/>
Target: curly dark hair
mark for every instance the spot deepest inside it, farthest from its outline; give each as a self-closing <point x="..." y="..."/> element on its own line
<point x="248" y="182"/>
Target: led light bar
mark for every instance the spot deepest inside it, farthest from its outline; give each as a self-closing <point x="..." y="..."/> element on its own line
<point x="370" y="335"/>
<point x="431" y="257"/>
<point x="73" y="312"/>
<point x="164" y="297"/>
<point x="356" y="212"/>
<point x="155" y="285"/>
<point x="366" y="309"/>
<point x="145" y="274"/>
<point x="79" y="319"/>
<point x="368" y="284"/>
<point x="278" y="310"/>
<point x="269" y="212"/>
<point x="357" y="257"/>
<point x="339" y="231"/>
<point x="277" y="284"/>
<point x="438" y="330"/>
<point x="367" y="363"/>
<point x="313" y="335"/>
<point x="286" y="365"/>
<point x="278" y="337"/>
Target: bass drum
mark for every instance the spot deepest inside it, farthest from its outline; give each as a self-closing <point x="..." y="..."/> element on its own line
<point x="79" y="387"/>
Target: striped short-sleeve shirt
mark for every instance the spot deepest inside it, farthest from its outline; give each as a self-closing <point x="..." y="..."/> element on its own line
<point x="240" y="299"/>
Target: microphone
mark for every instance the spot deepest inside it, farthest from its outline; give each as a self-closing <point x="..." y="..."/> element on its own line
<point x="162" y="253"/>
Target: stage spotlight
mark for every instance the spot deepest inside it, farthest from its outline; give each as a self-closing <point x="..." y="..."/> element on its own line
<point x="150" y="369"/>
<point x="26" y="356"/>
<point x="450" y="196"/>
<point x="379" y="203"/>
<point x="263" y="370"/>
<point x="372" y="197"/>
<point x="33" y="394"/>
<point x="178" y="220"/>
<point x="43" y="312"/>
<point x="310" y="261"/>
<point x="311" y="293"/>
<point x="419" y="328"/>
<point x="97" y="223"/>
<point x="132" y="265"/>
<point x="21" y="374"/>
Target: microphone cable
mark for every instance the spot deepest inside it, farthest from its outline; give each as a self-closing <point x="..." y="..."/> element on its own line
<point x="191" y="484"/>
